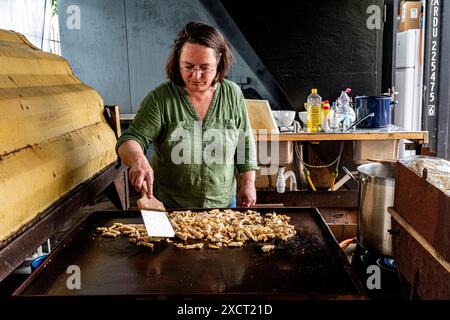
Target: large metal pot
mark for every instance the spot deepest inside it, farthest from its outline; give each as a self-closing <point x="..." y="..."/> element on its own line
<point x="380" y="106"/>
<point x="376" y="194"/>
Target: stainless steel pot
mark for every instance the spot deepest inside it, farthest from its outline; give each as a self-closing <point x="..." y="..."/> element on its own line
<point x="376" y="194"/>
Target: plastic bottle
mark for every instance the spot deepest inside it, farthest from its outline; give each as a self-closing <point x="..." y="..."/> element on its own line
<point x="348" y="114"/>
<point x="325" y="112"/>
<point x="314" y="111"/>
<point x="343" y="98"/>
<point x="334" y="118"/>
<point x="281" y="181"/>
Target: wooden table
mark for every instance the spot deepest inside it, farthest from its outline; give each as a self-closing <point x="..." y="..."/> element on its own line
<point x="369" y="144"/>
<point x="389" y="133"/>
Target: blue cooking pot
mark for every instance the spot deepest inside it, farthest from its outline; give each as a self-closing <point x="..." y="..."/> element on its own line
<point x="380" y="106"/>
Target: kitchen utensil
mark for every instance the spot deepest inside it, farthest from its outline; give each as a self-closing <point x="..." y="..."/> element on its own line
<point x="119" y="268"/>
<point x="149" y="204"/>
<point x="359" y="121"/>
<point x="283" y="118"/>
<point x="380" y="106"/>
<point x="376" y="194"/>
<point x="303" y="115"/>
<point x="156" y="222"/>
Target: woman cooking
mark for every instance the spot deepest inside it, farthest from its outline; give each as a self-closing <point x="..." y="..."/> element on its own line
<point x="199" y="128"/>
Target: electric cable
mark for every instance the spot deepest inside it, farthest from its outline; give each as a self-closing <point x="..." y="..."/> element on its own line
<point x="337" y="160"/>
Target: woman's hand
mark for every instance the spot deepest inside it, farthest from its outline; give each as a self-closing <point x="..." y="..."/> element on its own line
<point x="141" y="176"/>
<point x="247" y="191"/>
<point x="140" y="173"/>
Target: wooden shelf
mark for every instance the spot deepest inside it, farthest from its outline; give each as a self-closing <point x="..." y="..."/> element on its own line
<point x="391" y="133"/>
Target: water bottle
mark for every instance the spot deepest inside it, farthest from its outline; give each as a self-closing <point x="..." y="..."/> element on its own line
<point x="334" y="118"/>
<point x="343" y="98"/>
<point x="314" y="111"/>
<point x="349" y="117"/>
<point x="348" y="114"/>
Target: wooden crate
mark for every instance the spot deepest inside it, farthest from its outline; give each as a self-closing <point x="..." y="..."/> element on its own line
<point x="427" y="275"/>
<point x="424" y="207"/>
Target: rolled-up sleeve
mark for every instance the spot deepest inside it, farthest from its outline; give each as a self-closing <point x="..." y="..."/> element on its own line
<point x="146" y="125"/>
<point x="246" y="143"/>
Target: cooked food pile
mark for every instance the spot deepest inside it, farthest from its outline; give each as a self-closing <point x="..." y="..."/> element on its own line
<point x="227" y="228"/>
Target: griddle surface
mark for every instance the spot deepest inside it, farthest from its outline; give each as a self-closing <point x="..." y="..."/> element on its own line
<point x="310" y="264"/>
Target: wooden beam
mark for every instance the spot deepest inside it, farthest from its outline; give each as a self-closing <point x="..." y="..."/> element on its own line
<point x="320" y="199"/>
<point x="424" y="243"/>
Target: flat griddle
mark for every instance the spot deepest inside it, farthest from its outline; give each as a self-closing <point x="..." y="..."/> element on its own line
<point x="310" y="266"/>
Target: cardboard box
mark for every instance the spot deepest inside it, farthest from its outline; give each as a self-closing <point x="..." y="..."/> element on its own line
<point x="410" y="15"/>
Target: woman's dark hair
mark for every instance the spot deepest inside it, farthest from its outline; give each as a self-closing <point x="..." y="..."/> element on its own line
<point x="203" y="34"/>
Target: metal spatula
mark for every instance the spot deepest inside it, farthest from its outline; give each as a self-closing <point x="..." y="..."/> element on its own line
<point x="155" y="219"/>
<point x="157" y="224"/>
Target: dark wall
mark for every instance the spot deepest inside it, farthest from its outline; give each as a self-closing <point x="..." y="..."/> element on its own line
<point x="389" y="44"/>
<point x="443" y="138"/>
<point x="322" y="43"/>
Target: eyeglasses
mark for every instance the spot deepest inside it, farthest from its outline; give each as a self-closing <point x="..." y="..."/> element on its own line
<point x="201" y="69"/>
